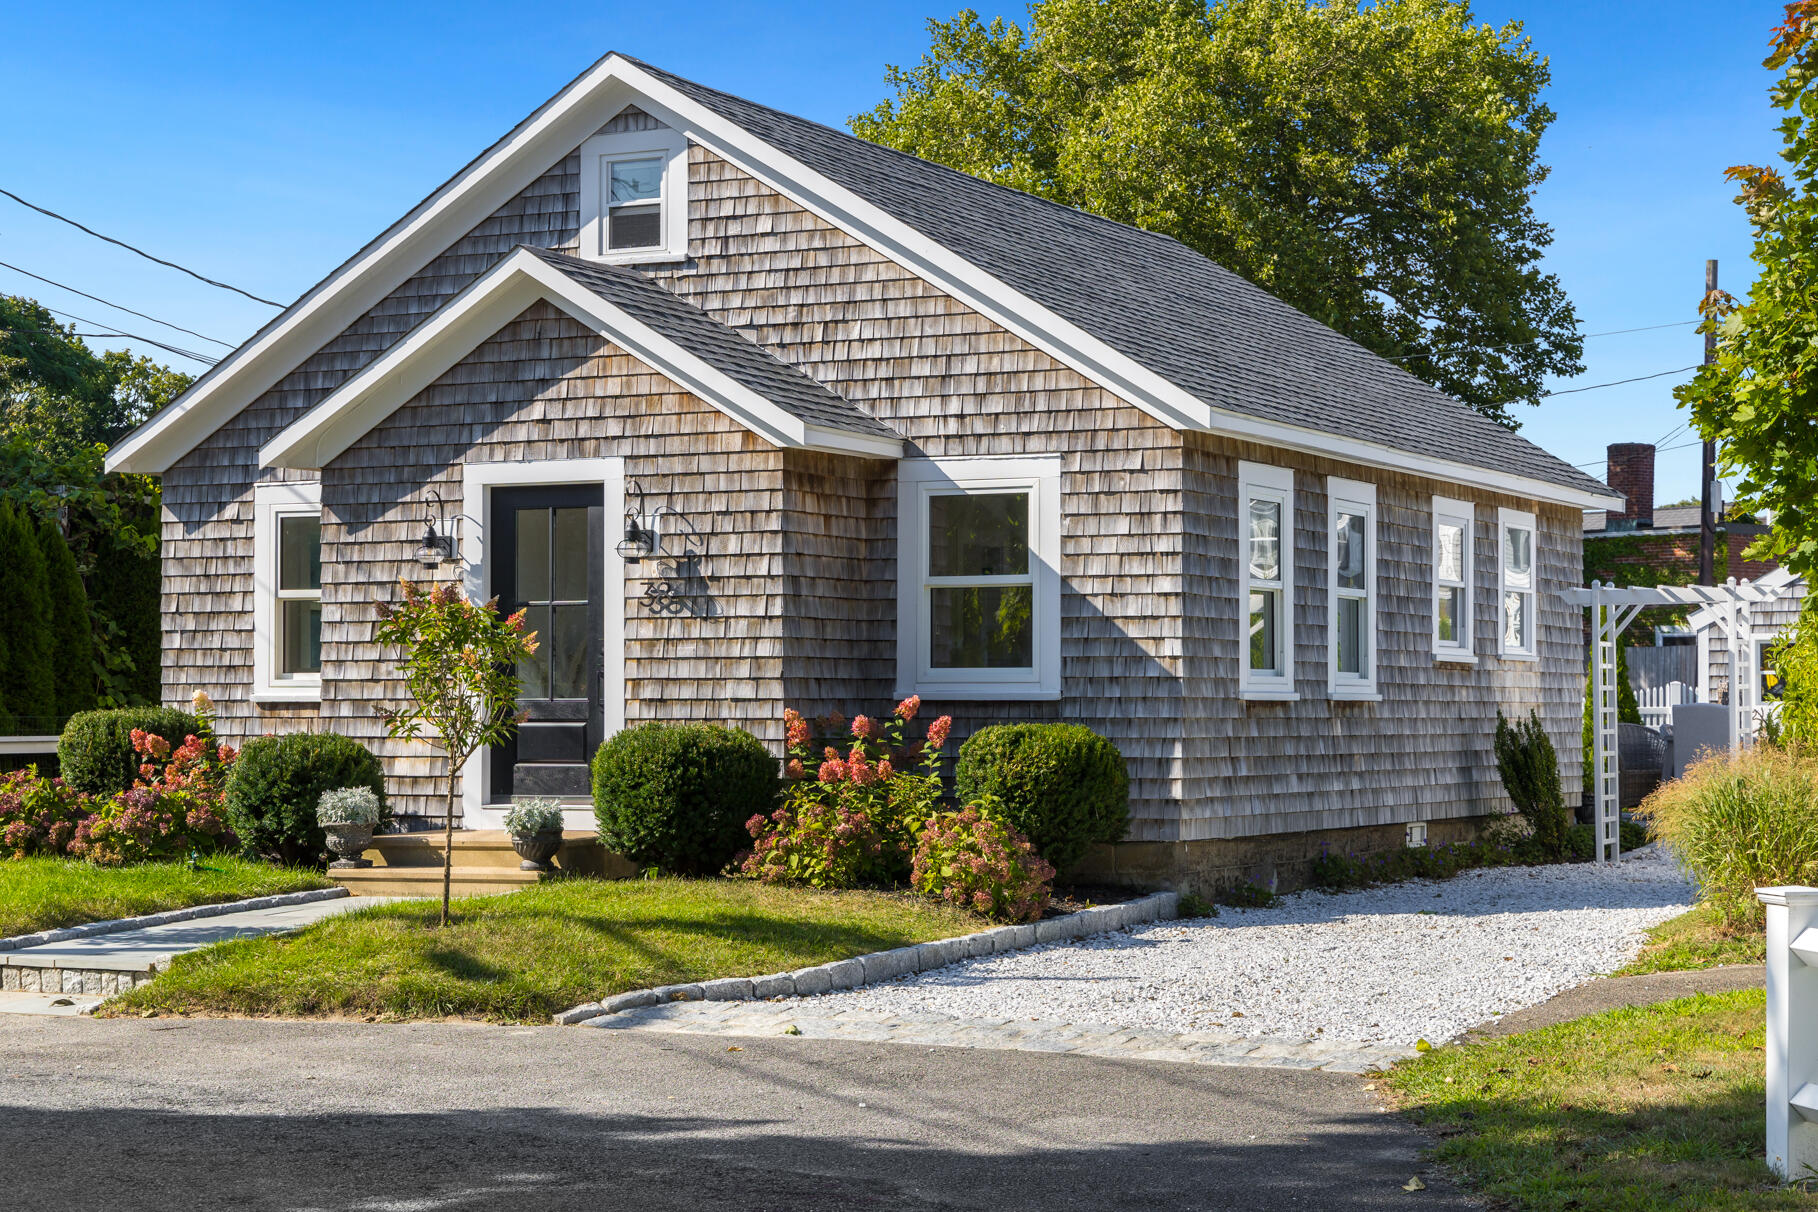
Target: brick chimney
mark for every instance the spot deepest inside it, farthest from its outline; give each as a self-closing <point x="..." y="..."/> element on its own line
<point x="1631" y="472"/>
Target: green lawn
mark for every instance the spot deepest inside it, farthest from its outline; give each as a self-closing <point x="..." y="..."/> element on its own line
<point x="44" y="893"/>
<point x="1695" y="940"/>
<point x="1655" y="1107"/>
<point x="526" y="955"/>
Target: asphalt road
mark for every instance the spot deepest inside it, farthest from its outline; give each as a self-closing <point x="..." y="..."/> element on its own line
<point x="216" y="1114"/>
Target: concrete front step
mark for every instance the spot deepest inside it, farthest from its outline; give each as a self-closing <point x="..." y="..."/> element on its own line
<point x="490" y="849"/>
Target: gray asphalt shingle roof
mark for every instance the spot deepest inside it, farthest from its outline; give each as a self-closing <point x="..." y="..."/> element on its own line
<point x="739" y="358"/>
<point x="1209" y="331"/>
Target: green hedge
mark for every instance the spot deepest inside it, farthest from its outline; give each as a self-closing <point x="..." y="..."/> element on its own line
<point x="272" y="793"/>
<point x="95" y="752"/>
<point x="676" y="796"/>
<point x="1063" y="785"/>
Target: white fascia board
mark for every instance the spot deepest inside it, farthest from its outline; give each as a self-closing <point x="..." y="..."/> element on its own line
<point x="363" y="281"/>
<point x="1371" y="454"/>
<point x="485" y="306"/>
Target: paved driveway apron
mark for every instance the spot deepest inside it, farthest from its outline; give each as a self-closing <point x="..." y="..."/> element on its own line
<point x="216" y="1114"/>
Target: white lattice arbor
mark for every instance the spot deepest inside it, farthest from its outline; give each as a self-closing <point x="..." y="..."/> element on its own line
<point x="1613" y="608"/>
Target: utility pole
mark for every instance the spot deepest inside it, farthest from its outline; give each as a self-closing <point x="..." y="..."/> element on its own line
<point x="1707" y="512"/>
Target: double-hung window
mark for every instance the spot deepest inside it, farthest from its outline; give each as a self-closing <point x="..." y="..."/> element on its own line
<point x="1265" y="521"/>
<point x="1517" y="583"/>
<point x="978" y="582"/>
<point x="287" y="592"/>
<point x="634" y="196"/>
<point x="1453" y="619"/>
<point x="1351" y="604"/>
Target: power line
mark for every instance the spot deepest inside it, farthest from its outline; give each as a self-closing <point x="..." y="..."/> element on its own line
<point x="1619" y="382"/>
<point x="1667" y="450"/>
<point x="192" y="355"/>
<point x="1614" y="332"/>
<point x="141" y="252"/>
<point x="116" y="306"/>
<point x="70" y="315"/>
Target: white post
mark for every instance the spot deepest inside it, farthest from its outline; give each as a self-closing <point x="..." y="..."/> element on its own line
<point x="1606" y="779"/>
<point x="1792" y="1030"/>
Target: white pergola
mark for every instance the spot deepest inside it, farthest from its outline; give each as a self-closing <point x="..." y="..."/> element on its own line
<point x="1613" y="608"/>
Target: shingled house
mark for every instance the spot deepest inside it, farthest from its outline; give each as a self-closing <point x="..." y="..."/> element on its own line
<point x="750" y="413"/>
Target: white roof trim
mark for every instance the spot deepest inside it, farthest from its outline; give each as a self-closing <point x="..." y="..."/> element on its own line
<point x="488" y="304"/>
<point x="567" y="120"/>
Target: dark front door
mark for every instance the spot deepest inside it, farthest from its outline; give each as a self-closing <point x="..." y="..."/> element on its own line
<point x="547" y="551"/>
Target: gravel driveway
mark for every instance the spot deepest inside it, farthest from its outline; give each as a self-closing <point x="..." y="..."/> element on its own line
<point x="1389" y="965"/>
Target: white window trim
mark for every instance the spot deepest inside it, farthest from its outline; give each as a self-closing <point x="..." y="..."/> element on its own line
<point x="271" y="503"/>
<point x="1261" y="482"/>
<point x="1359" y="496"/>
<point x="917" y="480"/>
<point x="1460" y="513"/>
<point x="597" y="157"/>
<point x="1520" y="520"/>
<point x="477" y="479"/>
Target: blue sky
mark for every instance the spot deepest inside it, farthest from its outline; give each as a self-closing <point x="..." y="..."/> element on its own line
<point x="262" y="144"/>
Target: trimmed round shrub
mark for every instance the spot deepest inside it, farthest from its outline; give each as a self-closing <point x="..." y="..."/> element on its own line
<point x="676" y="796"/>
<point x="277" y="783"/>
<point x="95" y="753"/>
<point x="1062" y="786"/>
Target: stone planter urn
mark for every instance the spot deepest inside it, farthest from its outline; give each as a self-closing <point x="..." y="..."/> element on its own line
<point x="347" y="842"/>
<point x="536" y="849"/>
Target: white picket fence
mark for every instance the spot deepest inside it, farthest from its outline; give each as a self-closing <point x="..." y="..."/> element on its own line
<point x="1657" y="702"/>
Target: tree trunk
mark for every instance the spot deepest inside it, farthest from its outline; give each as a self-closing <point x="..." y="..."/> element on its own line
<point x="448" y="837"/>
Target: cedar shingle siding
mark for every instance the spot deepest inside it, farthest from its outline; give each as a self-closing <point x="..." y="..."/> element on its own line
<point x="801" y="545"/>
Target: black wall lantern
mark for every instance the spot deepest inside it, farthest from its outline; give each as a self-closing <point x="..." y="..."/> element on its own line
<point x="640" y="538"/>
<point x="436" y="547"/>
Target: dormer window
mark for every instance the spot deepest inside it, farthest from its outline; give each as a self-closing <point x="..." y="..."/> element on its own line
<point x="634" y="196"/>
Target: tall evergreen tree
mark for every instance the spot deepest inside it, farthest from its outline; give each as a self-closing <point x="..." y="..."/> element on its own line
<point x="27" y="686"/>
<point x="72" y="635"/>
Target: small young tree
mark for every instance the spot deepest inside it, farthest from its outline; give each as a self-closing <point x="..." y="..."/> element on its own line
<point x="460" y="666"/>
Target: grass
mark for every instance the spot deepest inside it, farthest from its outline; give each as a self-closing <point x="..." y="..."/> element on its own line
<point x="523" y="956"/>
<point x="1656" y="1107"/>
<point x="1697" y="939"/>
<point x="46" y="893"/>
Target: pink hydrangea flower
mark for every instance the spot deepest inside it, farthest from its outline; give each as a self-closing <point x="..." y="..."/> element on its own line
<point x="906" y="709"/>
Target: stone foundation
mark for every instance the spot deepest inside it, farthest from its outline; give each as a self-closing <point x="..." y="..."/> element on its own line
<point x="1282" y="862"/>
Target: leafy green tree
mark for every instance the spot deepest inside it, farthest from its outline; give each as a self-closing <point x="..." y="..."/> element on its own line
<point x="1758" y="398"/>
<point x="1372" y="164"/>
<point x="27" y="684"/>
<point x="460" y="668"/>
<point x="72" y="639"/>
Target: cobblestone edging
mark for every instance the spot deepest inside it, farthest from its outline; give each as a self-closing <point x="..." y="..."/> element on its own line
<point x="936" y="1030"/>
<point x="20" y="942"/>
<point x="86" y="982"/>
<point x="885" y="965"/>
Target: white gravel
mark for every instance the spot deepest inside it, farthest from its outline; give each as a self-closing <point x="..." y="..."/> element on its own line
<point x="1422" y="960"/>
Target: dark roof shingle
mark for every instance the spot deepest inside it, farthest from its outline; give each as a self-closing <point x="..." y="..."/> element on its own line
<point x="1207" y="330"/>
<point x="735" y="356"/>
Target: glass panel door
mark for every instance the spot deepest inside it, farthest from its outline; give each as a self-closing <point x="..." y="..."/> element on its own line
<point x="547" y="559"/>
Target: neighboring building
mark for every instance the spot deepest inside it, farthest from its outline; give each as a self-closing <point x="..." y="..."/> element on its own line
<point x="1767" y="621"/>
<point x="1645" y="544"/>
<point x="897" y="430"/>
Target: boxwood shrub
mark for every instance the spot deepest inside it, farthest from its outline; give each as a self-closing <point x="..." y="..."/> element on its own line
<point x="95" y="752"/>
<point x="272" y="793"/>
<point x="1063" y="785"/>
<point x="676" y="796"/>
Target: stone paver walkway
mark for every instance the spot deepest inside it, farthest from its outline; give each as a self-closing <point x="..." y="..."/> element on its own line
<point x="935" y="1030"/>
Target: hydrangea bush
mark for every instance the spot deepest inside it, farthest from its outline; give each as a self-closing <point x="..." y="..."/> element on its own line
<point x="972" y="861"/>
<point x="854" y="799"/>
<point x="173" y="811"/>
<point x="39" y="815"/>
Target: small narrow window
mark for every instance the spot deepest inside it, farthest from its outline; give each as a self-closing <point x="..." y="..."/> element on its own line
<point x="636" y="206"/>
<point x="1352" y="517"/>
<point x="1518" y="622"/>
<point x="1453" y="528"/>
<point x="634" y="196"/>
<point x="299" y="595"/>
<point x="287" y="592"/>
<point x="1265" y="502"/>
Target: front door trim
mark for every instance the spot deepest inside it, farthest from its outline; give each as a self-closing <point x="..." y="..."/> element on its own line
<point x="477" y="481"/>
